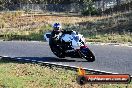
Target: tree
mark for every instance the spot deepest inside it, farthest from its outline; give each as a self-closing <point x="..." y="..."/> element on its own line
<point x="89" y="8"/>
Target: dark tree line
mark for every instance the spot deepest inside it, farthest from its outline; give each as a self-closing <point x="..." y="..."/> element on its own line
<point x="38" y="1"/>
<point x="8" y="3"/>
<point x="13" y="4"/>
<point x="87" y="10"/>
<point x="119" y="8"/>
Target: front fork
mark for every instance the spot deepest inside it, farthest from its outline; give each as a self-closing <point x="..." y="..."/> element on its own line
<point x="79" y="52"/>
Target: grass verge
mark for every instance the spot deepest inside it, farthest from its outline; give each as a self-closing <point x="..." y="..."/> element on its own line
<point x="116" y="38"/>
<point x="89" y="38"/>
<point x="27" y="75"/>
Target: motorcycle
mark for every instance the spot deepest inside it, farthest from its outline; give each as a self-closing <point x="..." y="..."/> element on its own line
<point x="69" y="44"/>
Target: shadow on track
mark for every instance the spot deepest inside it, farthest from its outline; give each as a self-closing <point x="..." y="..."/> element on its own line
<point x="46" y="59"/>
<point x="34" y="60"/>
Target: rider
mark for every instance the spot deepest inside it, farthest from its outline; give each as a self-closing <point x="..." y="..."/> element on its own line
<point x="56" y="29"/>
<point x="56" y="33"/>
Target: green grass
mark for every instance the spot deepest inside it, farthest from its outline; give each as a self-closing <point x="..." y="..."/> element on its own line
<point x="105" y="38"/>
<point x="19" y="75"/>
<point x="38" y="36"/>
<point x="26" y="75"/>
<point x="34" y="34"/>
<point x="115" y="38"/>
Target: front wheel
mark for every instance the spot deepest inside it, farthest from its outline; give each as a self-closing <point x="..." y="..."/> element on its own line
<point x="87" y="54"/>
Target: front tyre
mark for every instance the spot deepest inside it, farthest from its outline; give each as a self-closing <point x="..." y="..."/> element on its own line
<point x="87" y="54"/>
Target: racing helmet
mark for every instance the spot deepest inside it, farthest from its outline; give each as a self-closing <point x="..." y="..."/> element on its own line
<point x="57" y="26"/>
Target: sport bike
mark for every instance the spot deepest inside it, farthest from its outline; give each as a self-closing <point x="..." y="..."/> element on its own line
<point x="69" y="44"/>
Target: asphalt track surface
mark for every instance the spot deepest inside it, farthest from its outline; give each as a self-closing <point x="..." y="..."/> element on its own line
<point x="109" y="58"/>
